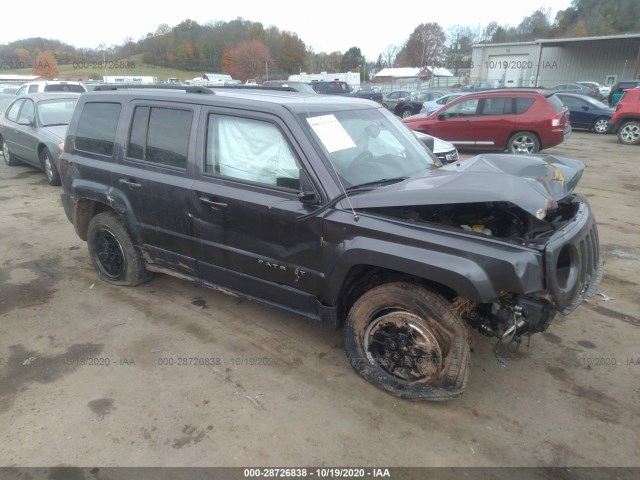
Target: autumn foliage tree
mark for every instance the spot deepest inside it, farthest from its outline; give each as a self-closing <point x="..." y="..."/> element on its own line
<point x="425" y="47"/>
<point x="247" y="60"/>
<point x="45" y="65"/>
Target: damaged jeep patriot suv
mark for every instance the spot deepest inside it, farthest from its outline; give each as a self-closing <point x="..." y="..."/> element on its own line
<point x="332" y="209"/>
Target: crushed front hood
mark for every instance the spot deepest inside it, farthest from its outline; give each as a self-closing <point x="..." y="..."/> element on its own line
<point x="532" y="182"/>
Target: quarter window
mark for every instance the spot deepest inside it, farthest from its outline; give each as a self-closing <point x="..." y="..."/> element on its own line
<point x="523" y="104"/>
<point x="96" y="131"/>
<point x="251" y="150"/>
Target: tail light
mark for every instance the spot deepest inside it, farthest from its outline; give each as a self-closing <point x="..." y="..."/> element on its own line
<point x="555" y="120"/>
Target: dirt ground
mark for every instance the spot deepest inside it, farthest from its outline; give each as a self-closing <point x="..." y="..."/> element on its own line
<point x="266" y="388"/>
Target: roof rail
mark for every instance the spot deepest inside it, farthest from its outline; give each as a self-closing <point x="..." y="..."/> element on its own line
<point x="135" y="86"/>
<point x="255" y="87"/>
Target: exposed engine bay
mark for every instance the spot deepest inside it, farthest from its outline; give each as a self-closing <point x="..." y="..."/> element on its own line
<point x="495" y="219"/>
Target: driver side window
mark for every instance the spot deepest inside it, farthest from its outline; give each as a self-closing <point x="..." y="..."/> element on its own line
<point x="466" y="108"/>
<point x="251" y="150"/>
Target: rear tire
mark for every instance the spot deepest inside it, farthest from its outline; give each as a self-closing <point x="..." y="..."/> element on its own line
<point x="629" y="133"/>
<point x="113" y="254"/>
<point x="523" y="143"/>
<point x="49" y="167"/>
<point x="407" y="112"/>
<point x="601" y="125"/>
<point x="8" y="157"/>
<point x="405" y="340"/>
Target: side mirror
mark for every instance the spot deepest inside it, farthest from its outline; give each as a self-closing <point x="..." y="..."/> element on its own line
<point x="25" y="122"/>
<point x="307" y="194"/>
<point x="585" y="108"/>
<point x="442" y="116"/>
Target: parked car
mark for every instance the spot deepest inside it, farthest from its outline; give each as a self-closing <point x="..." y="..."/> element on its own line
<point x="603" y="90"/>
<point x="337" y="87"/>
<point x="618" y="89"/>
<point x="587" y="113"/>
<point x="389" y="99"/>
<point x="411" y="106"/>
<point x="478" y="87"/>
<point x="33" y="129"/>
<point x="626" y="118"/>
<point x="576" y="88"/>
<point x="444" y="151"/>
<point x="357" y="228"/>
<point x="48" y="86"/>
<point x="432" y="105"/>
<point x="297" y="86"/>
<point x="518" y="120"/>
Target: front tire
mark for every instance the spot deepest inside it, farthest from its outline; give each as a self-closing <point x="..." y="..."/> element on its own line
<point x="601" y="125"/>
<point x="523" y="143"/>
<point x="113" y="253"/>
<point x="406" y="340"/>
<point x="49" y="167"/>
<point x="407" y="112"/>
<point x="629" y="133"/>
<point x="8" y="157"/>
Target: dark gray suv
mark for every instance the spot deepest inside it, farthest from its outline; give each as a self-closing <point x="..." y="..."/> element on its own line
<point x="331" y="208"/>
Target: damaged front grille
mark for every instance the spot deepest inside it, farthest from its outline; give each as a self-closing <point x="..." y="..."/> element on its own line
<point x="574" y="267"/>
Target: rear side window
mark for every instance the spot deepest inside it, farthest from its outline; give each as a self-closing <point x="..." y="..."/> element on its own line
<point x="523" y="104"/>
<point x="497" y="106"/>
<point x="160" y="135"/>
<point x="64" y="88"/>
<point x="97" y="126"/>
<point x="337" y="88"/>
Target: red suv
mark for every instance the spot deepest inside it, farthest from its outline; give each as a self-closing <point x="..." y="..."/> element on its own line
<point x="515" y="119"/>
<point x="626" y="119"/>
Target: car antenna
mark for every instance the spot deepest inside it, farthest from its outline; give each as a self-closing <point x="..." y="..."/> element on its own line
<point x="356" y="217"/>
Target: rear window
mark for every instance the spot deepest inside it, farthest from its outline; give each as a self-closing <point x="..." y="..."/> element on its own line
<point x="337" y="88"/>
<point x="64" y="88"/>
<point x="555" y="102"/>
<point x="97" y="126"/>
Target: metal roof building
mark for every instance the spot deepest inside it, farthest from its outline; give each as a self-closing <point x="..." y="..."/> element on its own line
<point x="548" y="62"/>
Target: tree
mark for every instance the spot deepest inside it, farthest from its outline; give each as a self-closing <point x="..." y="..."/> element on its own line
<point x="45" y="65"/>
<point x="352" y="60"/>
<point x="23" y="56"/>
<point x="292" y="54"/>
<point x="426" y="46"/>
<point x="389" y="55"/>
<point x="247" y="60"/>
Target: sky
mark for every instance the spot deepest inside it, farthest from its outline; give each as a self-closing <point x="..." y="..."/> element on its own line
<point x="325" y="25"/>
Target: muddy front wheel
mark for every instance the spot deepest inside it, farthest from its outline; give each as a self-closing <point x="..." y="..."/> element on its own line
<point x="405" y="339"/>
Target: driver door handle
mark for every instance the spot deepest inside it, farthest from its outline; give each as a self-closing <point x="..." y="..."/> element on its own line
<point x="213" y="204"/>
<point x="131" y="183"/>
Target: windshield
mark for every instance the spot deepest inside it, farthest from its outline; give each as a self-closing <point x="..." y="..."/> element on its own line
<point x="56" y="112"/>
<point x="368" y="146"/>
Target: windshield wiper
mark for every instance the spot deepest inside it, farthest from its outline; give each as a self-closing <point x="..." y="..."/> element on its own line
<point x="377" y="183"/>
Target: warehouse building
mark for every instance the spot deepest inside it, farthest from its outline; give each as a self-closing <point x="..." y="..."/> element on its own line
<point x="605" y="60"/>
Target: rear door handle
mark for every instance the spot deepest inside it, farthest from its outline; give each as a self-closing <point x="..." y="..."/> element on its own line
<point x="213" y="204"/>
<point x="131" y="183"/>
